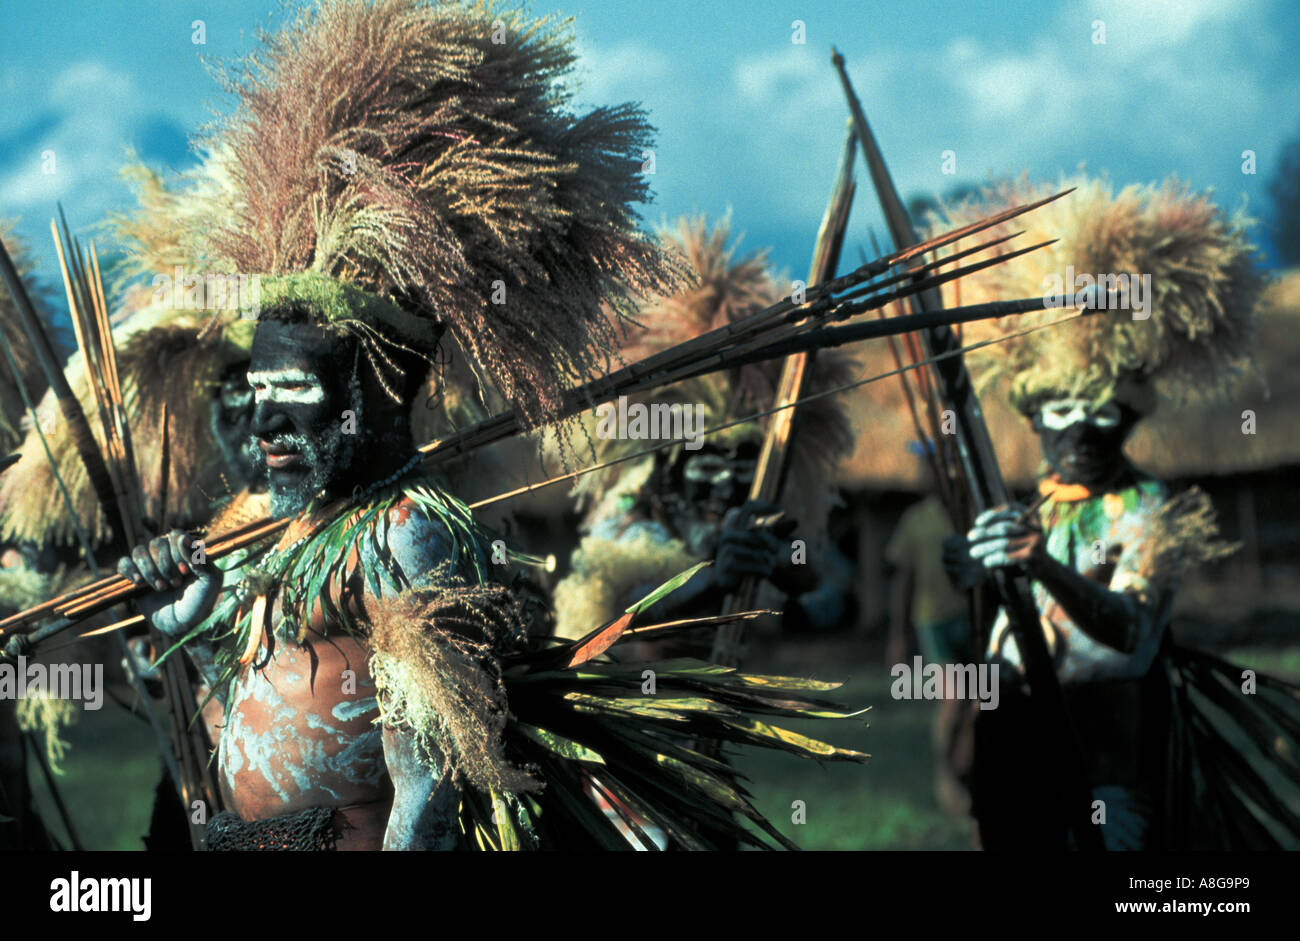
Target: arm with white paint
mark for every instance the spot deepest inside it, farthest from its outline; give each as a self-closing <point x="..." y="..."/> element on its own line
<point x="425" y="801"/>
<point x="1119" y="614"/>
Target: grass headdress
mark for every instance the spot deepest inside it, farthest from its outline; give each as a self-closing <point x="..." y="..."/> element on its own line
<point x="1203" y="280"/>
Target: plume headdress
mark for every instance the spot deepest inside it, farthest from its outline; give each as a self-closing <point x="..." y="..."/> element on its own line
<point x="427" y="155"/>
<point x="725" y="286"/>
<point x="1204" y="283"/>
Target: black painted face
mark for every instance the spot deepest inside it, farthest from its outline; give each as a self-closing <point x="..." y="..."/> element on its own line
<point x="1083" y="446"/>
<point x="301" y="391"/>
<point x="714" y="481"/>
<point x="232" y="419"/>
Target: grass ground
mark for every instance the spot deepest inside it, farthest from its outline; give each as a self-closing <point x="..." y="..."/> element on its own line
<point x="112" y="766"/>
<point x="887" y="803"/>
<point x="110" y="771"/>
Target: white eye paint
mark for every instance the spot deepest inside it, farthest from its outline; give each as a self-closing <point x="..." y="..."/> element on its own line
<point x="287" y="387"/>
<point x="1107" y="417"/>
<point x="1063" y="413"/>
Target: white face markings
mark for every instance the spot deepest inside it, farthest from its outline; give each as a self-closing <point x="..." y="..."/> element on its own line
<point x="287" y="387"/>
<point x="1059" y="414"/>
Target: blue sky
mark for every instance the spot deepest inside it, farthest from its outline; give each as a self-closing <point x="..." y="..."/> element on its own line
<point x="748" y="121"/>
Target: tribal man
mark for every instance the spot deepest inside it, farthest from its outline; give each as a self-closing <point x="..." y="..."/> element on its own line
<point x="1108" y="544"/>
<point x="296" y="738"/>
<point x="651" y="517"/>
<point x="377" y="687"/>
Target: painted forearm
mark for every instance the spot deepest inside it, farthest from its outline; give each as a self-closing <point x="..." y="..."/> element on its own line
<point x="425" y="802"/>
<point x="1108" y="617"/>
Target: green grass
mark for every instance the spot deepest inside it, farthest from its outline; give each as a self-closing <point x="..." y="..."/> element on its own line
<point x="112" y="766"/>
<point x="110" y="771"/>
<point x="884" y="804"/>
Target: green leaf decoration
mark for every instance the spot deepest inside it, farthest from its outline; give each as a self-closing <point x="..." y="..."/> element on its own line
<point x="565" y="748"/>
<point x="667" y="588"/>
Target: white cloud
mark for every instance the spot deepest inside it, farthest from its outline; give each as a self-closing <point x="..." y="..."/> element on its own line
<point x="790" y="71"/>
<point x="83" y="83"/>
<point x="96" y="107"/>
<point x="1161" y="24"/>
<point x="626" y="71"/>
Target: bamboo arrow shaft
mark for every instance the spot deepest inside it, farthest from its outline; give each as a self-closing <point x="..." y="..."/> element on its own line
<point x="69" y="406"/>
<point x="773" y="459"/>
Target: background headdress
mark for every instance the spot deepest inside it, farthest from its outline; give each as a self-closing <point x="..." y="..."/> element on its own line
<point x="1204" y="286"/>
<point x="165" y="358"/>
<point x="427" y="154"/>
<point x="12" y="409"/>
<point x="724" y="287"/>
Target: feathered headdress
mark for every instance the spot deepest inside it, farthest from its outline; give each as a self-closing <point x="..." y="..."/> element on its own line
<point x="1203" y="280"/>
<point x="724" y="288"/>
<point x="427" y="154"/>
<point x="11" y="401"/>
<point x="177" y="363"/>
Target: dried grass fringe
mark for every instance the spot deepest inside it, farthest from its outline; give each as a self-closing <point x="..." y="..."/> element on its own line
<point x="1184" y="535"/>
<point x="435" y="667"/>
<point x="47" y="717"/>
<point x="605" y="571"/>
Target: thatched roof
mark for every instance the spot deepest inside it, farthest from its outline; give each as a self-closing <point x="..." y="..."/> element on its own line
<point x="1197" y="439"/>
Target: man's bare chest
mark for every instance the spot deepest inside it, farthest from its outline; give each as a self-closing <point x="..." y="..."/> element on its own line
<point x="301" y="727"/>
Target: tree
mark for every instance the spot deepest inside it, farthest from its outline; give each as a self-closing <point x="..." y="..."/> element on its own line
<point x="1284" y="188"/>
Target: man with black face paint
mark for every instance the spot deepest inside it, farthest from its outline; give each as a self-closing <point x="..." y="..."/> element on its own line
<point x="1107" y="545"/>
<point x="305" y="420"/>
<point x="1104" y="612"/>
<point x="232" y="415"/>
<point x="301" y="748"/>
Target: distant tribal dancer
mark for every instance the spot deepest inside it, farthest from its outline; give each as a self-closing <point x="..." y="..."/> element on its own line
<point x="1107" y="548"/>
<point x="653" y="516"/>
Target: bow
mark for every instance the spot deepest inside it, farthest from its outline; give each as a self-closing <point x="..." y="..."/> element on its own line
<point x="773" y="459"/>
<point x="983" y="477"/>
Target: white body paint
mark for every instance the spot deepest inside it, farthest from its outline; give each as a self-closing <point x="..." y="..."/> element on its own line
<point x="287" y="386"/>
